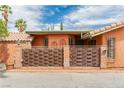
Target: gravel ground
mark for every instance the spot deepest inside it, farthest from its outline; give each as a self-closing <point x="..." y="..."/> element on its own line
<point x="61" y="80"/>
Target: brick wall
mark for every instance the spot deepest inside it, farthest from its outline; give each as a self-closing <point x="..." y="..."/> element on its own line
<point x="118" y="34"/>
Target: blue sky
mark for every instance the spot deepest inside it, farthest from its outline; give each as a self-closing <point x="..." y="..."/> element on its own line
<point x="55" y="13"/>
<point x="74" y="17"/>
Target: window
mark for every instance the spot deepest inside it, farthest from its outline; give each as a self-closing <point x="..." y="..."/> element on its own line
<point x="92" y="42"/>
<point x="71" y="41"/>
<point x="46" y="42"/>
<point x="111" y="48"/>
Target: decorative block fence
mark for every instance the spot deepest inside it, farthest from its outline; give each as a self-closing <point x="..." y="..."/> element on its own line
<point x="85" y="57"/>
<point x="42" y="57"/>
<point x="61" y="57"/>
<point x="66" y="57"/>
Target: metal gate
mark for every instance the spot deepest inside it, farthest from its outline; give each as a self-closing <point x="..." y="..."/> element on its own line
<point x="85" y="56"/>
<point x="42" y="57"/>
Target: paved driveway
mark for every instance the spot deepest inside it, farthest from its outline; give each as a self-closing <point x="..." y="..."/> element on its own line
<point x="61" y="80"/>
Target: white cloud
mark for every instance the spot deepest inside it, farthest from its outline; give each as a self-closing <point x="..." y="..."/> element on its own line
<point x="31" y="14"/>
<point x="85" y="16"/>
<point x="80" y="18"/>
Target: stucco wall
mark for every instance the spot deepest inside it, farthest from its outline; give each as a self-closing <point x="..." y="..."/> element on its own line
<point x="38" y="40"/>
<point x="4" y="51"/>
<point x="118" y="34"/>
<point x="53" y="40"/>
<point x="9" y="53"/>
<point x="57" y="40"/>
<point x="99" y="40"/>
<point x="119" y="47"/>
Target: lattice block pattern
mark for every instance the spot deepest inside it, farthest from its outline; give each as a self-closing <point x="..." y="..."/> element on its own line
<point x="89" y="57"/>
<point x="42" y="57"/>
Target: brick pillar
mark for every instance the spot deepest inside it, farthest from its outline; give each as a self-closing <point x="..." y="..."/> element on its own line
<point x="66" y="57"/>
<point x="18" y="54"/>
<point x="18" y="57"/>
<point x="103" y="57"/>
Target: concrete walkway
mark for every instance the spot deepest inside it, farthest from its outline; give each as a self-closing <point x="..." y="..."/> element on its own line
<point x="62" y="80"/>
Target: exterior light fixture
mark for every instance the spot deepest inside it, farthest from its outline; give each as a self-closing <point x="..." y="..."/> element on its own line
<point x="18" y="42"/>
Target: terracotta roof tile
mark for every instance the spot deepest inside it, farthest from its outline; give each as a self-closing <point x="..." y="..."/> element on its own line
<point x="102" y="29"/>
<point x="96" y="31"/>
<point x="105" y="29"/>
<point x="14" y="36"/>
<point x="108" y="27"/>
<point x="119" y="23"/>
<point x="113" y="25"/>
<point x="92" y="32"/>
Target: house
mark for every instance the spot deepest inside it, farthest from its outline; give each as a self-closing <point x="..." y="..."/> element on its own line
<point x="57" y="38"/>
<point x="102" y="48"/>
<point x="112" y="37"/>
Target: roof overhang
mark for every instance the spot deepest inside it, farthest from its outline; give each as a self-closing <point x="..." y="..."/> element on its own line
<point x="90" y="35"/>
<point x="55" y="32"/>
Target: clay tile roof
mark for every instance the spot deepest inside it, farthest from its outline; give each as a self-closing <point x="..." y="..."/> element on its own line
<point x="113" y="25"/>
<point x="92" y="32"/>
<point x="96" y="31"/>
<point x="119" y="23"/>
<point x="14" y="36"/>
<point x="104" y="30"/>
<point x="108" y="27"/>
<point x="122" y="22"/>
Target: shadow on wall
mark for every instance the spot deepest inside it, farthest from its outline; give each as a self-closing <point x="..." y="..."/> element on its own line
<point x="4" y="55"/>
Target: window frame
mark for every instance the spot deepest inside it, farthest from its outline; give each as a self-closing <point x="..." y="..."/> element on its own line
<point x="111" y="47"/>
<point x="45" y="41"/>
<point x="71" y="41"/>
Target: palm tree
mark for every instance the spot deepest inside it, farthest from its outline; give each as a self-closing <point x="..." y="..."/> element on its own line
<point x="21" y="25"/>
<point x="6" y="10"/>
<point x="3" y="29"/>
